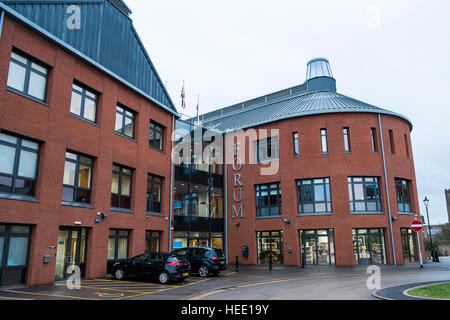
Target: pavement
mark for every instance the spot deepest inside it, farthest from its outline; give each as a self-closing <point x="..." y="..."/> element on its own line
<point x="251" y="283"/>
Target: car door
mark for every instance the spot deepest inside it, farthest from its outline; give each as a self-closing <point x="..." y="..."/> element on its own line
<point x="194" y="257"/>
<point x="150" y="265"/>
<point x="134" y="266"/>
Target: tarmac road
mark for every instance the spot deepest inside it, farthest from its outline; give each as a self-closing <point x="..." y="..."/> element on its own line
<point x="250" y="283"/>
<point x="327" y="283"/>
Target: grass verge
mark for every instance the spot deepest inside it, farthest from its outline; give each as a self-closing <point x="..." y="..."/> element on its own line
<point x="435" y="291"/>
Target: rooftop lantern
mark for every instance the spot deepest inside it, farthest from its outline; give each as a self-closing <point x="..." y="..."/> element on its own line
<point x="319" y="76"/>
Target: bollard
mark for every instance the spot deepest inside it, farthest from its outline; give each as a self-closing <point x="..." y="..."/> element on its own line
<point x="270" y="261"/>
<point x="236" y="269"/>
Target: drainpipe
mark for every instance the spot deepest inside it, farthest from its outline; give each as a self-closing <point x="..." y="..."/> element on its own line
<point x="171" y="184"/>
<point x="2" y="18"/>
<point x="387" y="188"/>
<point x="225" y="154"/>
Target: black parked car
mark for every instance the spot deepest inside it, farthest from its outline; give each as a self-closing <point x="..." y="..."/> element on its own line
<point x="204" y="261"/>
<point x="158" y="266"/>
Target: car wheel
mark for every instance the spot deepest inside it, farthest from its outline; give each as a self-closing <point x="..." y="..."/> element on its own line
<point x="163" y="278"/>
<point x="203" y="271"/>
<point x="119" y="274"/>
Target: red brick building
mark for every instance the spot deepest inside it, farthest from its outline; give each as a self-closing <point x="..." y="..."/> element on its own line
<point x="85" y="141"/>
<point x="86" y="175"/>
<point x="342" y="188"/>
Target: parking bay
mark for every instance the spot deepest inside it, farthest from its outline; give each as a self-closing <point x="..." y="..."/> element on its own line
<point x="98" y="289"/>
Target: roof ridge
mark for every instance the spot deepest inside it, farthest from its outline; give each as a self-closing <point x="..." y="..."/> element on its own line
<point x="260" y="105"/>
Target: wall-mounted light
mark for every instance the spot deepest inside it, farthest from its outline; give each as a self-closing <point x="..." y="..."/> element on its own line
<point x="102" y="215"/>
<point x="287" y="221"/>
<point x="238" y="224"/>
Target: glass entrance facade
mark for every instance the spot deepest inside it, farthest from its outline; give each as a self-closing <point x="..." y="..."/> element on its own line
<point x="317" y="247"/>
<point x="71" y="250"/>
<point x="14" y="250"/>
<point x="409" y="245"/>
<point x="369" y="246"/>
<point x="198" y="193"/>
<point x="270" y="243"/>
<point x="198" y="239"/>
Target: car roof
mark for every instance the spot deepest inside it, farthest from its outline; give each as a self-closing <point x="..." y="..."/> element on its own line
<point x="198" y="248"/>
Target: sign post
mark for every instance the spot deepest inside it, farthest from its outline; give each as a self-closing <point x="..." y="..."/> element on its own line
<point x="417" y="226"/>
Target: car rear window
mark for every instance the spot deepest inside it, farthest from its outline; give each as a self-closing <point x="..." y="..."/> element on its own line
<point x="173" y="259"/>
<point x="214" y="253"/>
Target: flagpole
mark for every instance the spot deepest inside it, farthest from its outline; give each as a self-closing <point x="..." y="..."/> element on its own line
<point x="198" y="115"/>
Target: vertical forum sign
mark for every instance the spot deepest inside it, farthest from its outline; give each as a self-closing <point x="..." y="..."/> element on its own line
<point x="237" y="206"/>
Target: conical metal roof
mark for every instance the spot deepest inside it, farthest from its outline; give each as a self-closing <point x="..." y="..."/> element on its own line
<point x="316" y="96"/>
<point x="305" y="104"/>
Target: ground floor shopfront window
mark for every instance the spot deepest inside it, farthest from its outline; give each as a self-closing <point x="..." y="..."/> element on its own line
<point x="369" y="246"/>
<point x="409" y="245"/>
<point x="270" y="244"/>
<point x="14" y="248"/>
<point x="317" y="247"/>
<point x="197" y="239"/>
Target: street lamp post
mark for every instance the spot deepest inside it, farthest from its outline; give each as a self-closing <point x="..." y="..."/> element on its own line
<point x="426" y="201"/>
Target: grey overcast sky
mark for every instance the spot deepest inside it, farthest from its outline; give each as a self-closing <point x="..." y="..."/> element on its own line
<point x="393" y="54"/>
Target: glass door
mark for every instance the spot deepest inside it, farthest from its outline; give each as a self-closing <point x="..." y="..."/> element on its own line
<point x="369" y="246"/>
<point x="408" y="244"/>
<point x="14" y="245"/>
<point x="361" y="249"/>
<point x="71" y="251"/>
<point x="270" y="244"/>
<point x="377" y="249"/>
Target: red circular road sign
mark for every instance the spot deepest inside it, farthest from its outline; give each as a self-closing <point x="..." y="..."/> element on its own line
<point x="416" y="225"/>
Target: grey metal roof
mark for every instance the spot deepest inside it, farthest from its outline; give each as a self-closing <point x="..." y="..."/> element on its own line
<point x="107" y="36"/>
<point x="303" y="104"/>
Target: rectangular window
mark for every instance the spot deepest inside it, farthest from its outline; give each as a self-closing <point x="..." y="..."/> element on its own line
<point x="154" y="189"/>
<point x="368" y="246"/>
<point x="323" y="139"/>
<point x="406" y="146"/>
<point x="77" y="178"/>
<point x="83" y="103"/>
<point x="152" y="242"/>
<point x="391" y="139"/>
<point x="125" y="119"/>
<point x="403" y="195"/>
<point x="121" y="187"/>
<point x="267" y="150"/>
<point x="118" y="244"/>
<point x="296" y="146"/>
<point x="364" y="194"/>
<point x="156" y="139"/>
<point x="374" y="140"/>
<point x="27" y="76"/>
<point x="268" y="200"/>
<point x="19" y="161"/>
<point x="346" y="132"/>
<point x="317" y="247"/>
<point x="314" y="196"/>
